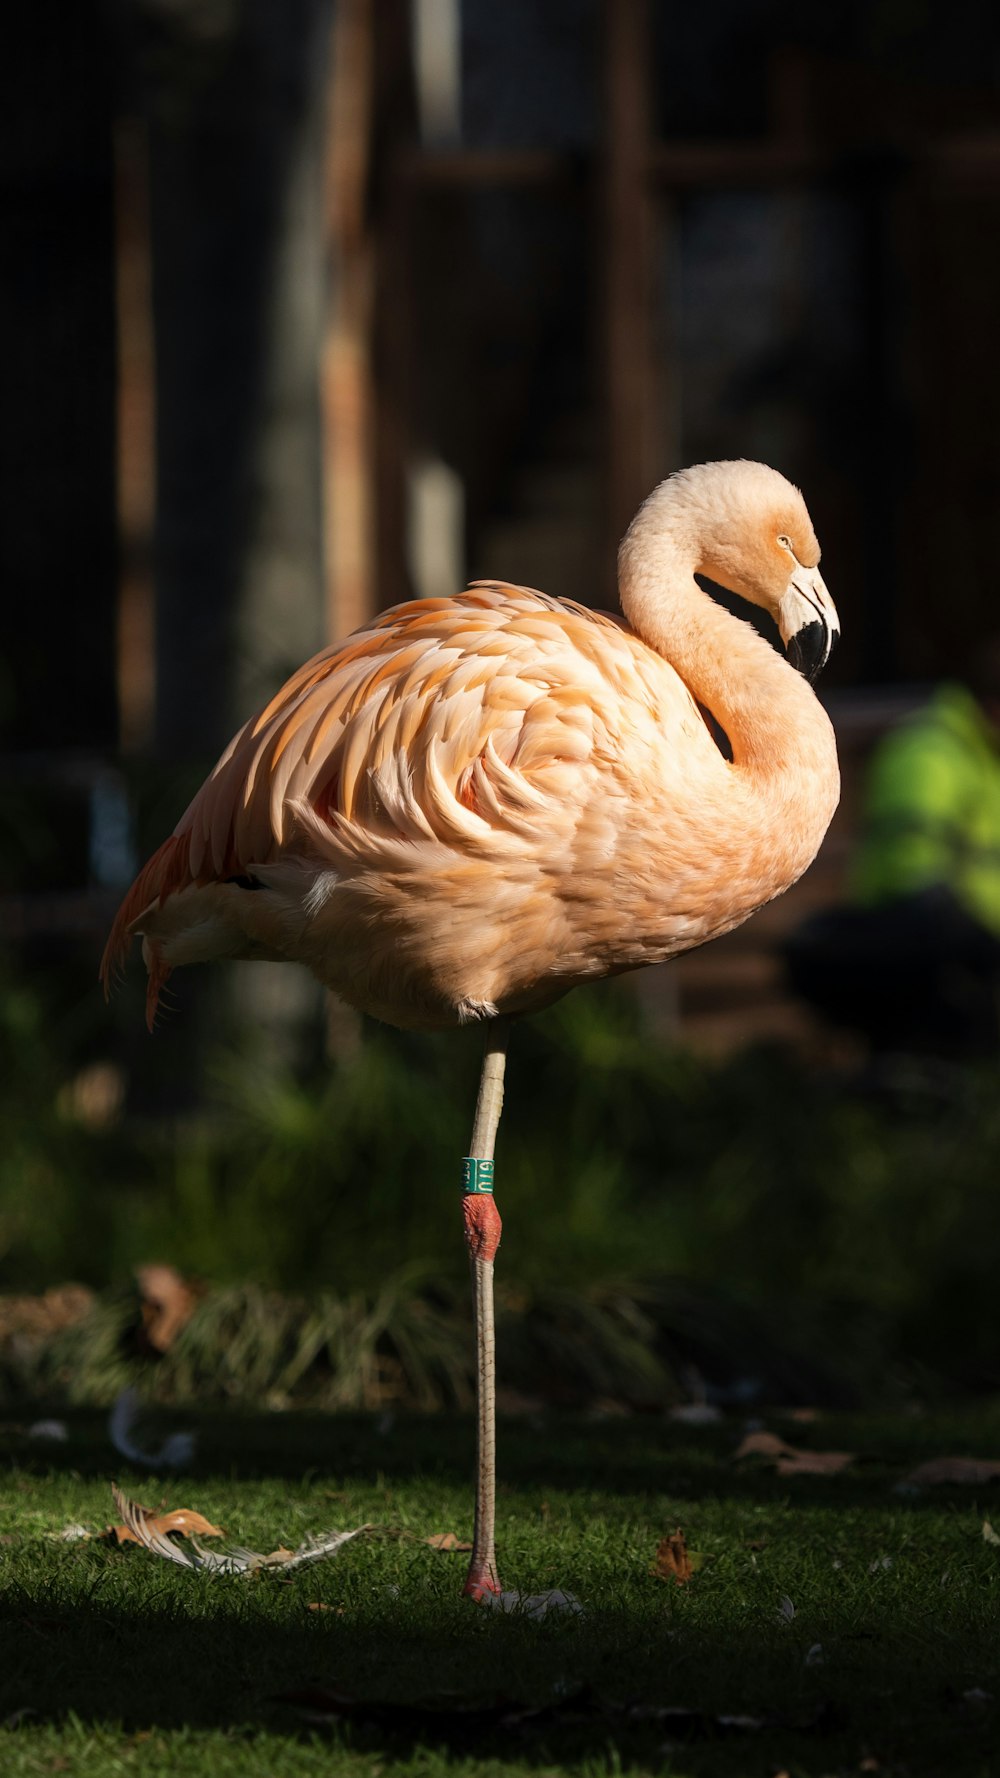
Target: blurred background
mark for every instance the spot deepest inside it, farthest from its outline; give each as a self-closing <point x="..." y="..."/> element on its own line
<point x="311" y="307"/>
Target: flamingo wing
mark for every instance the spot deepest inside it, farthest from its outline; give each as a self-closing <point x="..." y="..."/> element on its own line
<point x="469" y="723"/>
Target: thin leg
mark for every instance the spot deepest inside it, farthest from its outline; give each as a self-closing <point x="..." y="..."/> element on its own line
<point x="482" y="1234"/>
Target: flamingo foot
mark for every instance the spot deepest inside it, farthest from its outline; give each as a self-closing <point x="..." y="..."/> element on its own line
<point x="481" y="1583"/>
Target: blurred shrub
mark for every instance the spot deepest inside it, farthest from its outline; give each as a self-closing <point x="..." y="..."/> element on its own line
<point x="661" y="1212"/>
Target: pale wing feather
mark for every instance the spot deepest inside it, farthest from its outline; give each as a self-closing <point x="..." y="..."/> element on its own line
<point x="514" y="732"/>
<point x="492" y="688"/>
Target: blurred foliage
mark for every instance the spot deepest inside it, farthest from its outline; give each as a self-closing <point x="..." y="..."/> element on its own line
<point x="745" y="1219"/>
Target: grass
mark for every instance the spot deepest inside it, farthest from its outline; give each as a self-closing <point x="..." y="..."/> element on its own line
<point x="113" y="1662"/>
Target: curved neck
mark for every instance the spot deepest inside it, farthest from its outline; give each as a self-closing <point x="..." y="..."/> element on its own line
<point x="768" y="711"/>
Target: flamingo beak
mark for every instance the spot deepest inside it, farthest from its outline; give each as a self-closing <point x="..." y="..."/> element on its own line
<point x="808" y="622"/>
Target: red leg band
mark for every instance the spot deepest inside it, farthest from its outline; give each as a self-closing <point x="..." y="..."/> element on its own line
<point x="482" y="1224"/>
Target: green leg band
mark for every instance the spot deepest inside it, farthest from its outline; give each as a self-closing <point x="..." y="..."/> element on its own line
<point x="477" y="1175"/>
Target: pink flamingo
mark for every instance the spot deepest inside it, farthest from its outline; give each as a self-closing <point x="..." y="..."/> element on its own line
<point x="475" y="803"/>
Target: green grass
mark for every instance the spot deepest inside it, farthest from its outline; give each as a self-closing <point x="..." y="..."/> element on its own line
<point x="115" y="1662"/>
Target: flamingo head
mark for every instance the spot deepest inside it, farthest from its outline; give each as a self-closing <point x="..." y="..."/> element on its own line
<point x="755" y="537"/>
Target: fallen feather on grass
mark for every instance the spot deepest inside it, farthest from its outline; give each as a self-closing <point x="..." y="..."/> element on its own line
<point x="235" y="1561"/>
<point x="56" y="1430"/>
<point x="791" y="1459"/>
<point x="695" y="1413"/>
<point x="533" y="1605"/>
<point x="175" y="1452"/>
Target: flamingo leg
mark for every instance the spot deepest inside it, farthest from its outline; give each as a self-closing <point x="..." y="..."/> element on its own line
<point x="482" y="1235"/>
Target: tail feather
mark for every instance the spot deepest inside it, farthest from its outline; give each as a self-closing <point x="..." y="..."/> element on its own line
<point x="167" y="871"/>
<point x="159" y="972"/>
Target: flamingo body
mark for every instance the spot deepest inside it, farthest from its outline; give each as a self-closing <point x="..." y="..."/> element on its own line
<point x="475" y="803"/>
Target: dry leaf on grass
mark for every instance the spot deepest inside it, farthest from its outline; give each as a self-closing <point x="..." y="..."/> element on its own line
<point x="182" y="1520"/>
<point x="235" y="1561"/>
<point x="953" y="1469"/>
<point x="35" y="1319"/>
<point x="814" y="1462"/>
<point x="167" y="1303"/>
<point x="673" y="1560"/>
<point x="446" y="1541"/>
<point x="791" y="1459"/>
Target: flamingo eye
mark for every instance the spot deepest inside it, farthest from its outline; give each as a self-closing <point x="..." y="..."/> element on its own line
<point x="786" y="542"/>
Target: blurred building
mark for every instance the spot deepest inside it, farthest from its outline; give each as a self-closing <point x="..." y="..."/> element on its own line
<point x="320" y="305"/>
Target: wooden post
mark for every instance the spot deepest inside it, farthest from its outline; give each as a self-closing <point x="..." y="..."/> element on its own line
<point x="626" y="247"/>
<point x="347" y="385"/>
<point x="395" y="131"/>
<point x="136" y="436"/>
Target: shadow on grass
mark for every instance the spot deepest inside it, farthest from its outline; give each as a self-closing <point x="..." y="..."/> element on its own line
<point x="639" y="1455"/>
<point x="622" y="1684"/>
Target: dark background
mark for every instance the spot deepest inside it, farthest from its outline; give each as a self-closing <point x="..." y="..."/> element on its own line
<point x="309" y="306"/>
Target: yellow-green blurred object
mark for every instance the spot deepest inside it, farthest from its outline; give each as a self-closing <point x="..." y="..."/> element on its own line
<point x="932" y="809"/>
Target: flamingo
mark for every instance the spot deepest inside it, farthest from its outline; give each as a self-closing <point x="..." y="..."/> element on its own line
<point x="475" y="803"/>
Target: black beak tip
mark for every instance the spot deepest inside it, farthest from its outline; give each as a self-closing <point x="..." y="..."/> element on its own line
<point x="810" y="649"/>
